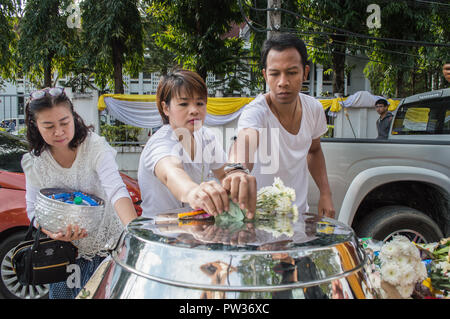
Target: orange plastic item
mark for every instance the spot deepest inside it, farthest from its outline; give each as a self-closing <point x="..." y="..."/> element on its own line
<point x="191" y="213"/>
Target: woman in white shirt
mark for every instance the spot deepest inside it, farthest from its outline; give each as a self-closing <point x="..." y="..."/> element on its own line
<point x="64" y="153"/>
<point x="175" y="163"/>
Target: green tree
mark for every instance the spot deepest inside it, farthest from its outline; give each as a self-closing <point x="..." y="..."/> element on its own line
<point x="112" y="40"/>
<point x="157" y="58"/>
<point x="437" y="56"/>
<point x="238" y="71"/>
<point x="405" y="66"/>
<point x="45" y="41"/>
<point x="256" y="14"/>
<point x="7" y="38"/>
<point x="193" y="30"/>
<point x="324" y="25"/>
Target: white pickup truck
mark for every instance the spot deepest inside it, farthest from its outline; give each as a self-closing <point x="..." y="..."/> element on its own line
<point x="400" y="185"/>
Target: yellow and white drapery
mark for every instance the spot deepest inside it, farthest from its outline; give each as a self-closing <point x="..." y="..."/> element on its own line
<point x="141" y="110"/>
<point x="135" y="110"/>
<point x="358" y="99"/>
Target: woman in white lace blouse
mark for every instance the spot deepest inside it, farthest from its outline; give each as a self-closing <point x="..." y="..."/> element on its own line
<point x="65" y="153"/>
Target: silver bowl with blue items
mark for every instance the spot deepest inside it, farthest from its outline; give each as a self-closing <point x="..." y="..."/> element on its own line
<point x="56" y="208"/>
<point x="278" y="257"/>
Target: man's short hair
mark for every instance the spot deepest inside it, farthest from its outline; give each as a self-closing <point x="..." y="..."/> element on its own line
<point x="382" y="101"/>
<point x="281" y="42"/>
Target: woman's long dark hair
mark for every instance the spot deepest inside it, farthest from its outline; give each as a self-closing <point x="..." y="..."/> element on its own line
<point x="36" y="143"/>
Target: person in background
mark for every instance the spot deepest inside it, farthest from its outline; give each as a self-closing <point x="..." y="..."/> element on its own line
<point x="65" y="153"/>
<point x="298" y="119"/>
<point x="446" y="71"/>
<point x="11" y="126"/>
<point x="176" y="161"/>
<point x="385" y="119"/>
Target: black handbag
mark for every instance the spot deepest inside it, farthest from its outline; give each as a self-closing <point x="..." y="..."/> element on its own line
<point x="41" y="261"/>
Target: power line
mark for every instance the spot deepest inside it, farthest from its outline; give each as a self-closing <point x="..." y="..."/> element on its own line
<point x="329" y="50"/>
<point x="343" y="31"/>
<point x="422" y="3"/>
<point x="431" y="3"/>
<point x="249" y="23"/>
<point x="397" y="41"/>
<point x="346" y="44"/>
<point x="434" y="2"/>
<point x="362" y="57"/>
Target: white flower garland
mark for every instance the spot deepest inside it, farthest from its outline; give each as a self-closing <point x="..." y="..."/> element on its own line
<point x="401" y="265"/>
<point x="277" y="198"/>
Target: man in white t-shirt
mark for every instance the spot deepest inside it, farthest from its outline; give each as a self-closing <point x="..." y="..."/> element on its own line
<point x="279" y="132"/>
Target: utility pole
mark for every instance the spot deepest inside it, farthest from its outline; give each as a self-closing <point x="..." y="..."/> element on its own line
<point x="273" y="17"/>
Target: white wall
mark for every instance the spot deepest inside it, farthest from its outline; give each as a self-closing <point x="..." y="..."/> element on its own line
<point x="85" y="104"/>
<point x="358" y="80"/>
<point x="128" y="159"/>
<point x="362" y="119"/>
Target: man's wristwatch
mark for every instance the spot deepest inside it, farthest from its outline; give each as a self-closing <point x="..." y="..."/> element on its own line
<point x="235" y="166"/>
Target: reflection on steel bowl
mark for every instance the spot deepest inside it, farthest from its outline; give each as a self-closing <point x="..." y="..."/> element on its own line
<point x="163" y="258"/>
<point x="55" y="215"/>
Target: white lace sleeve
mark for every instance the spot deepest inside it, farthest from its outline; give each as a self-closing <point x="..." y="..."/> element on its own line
<point x="30" y="197"/>
<point x="110" y="178"/>
<point x="101" y="147"/>
<point x="28" y="166"/>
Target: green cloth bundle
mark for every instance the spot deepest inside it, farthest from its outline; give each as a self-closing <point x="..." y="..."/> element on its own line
<point x="233" y="219"/>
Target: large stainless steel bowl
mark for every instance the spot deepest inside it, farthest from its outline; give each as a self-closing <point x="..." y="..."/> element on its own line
<point x="54" y="215"/>
<point x="162" y="258"/>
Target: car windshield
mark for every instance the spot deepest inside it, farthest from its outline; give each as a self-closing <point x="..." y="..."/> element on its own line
<point x="432" y="117"/>
<point x="11" y="150"/>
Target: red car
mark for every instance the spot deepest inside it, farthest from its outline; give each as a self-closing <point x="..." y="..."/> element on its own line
<point x="13" y="216"/>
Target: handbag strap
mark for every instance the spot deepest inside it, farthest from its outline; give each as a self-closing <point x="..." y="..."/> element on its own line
<point x="29" y="233"/>
<point x="36" y="238"/>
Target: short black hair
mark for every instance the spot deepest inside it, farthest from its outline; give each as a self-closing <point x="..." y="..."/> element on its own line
<point x="172" y="84"/>
<point x="283" y="41"/>
<point x="382" y="101"/>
